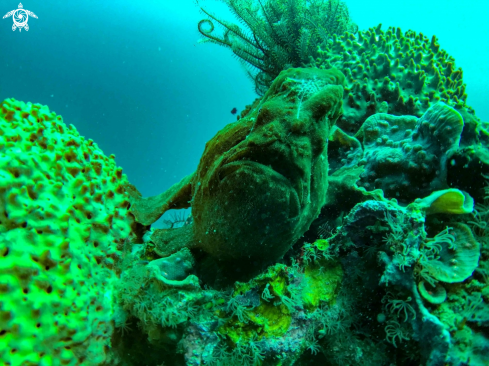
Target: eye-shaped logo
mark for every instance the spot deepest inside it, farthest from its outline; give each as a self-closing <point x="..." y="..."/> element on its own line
<point x="20" y="17"/>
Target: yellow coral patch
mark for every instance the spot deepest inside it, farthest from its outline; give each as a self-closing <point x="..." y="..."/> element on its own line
<point x="449" y="201"/>
<point x="275" y="320"/>
<point x="323" y="281"/>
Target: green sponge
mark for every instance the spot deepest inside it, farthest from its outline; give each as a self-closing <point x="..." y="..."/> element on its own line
<point x="63" y="216"/>
<point x="395" y="72"/>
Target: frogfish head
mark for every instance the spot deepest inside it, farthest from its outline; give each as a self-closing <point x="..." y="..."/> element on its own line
<point x="263" y="179"/>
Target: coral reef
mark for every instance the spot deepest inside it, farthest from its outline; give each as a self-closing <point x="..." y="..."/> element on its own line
<point x="273" y="316"/>
<point x="393" y="72"/>
<point x="409" y="157"/>
<point x="63" y="218"/>
<point x="404" y="149"/>
<point x="342" y="220"/>
<point x="380" y="276"/>
<point x="396" y="239"/>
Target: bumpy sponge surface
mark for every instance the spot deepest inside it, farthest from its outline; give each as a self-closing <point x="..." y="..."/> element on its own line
<point x="393" y="72"/>
<point x="63" y="216"/>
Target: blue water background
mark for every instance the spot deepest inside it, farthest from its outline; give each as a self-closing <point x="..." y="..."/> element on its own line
<point x="131" y="76"/>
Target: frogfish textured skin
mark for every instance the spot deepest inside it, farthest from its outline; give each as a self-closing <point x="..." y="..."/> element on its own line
<point x="262" y="180"/>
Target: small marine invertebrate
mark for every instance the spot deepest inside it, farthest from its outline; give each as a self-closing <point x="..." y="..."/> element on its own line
<point x="475" y="310"/>
<point x="236" y="308"/>
<point x="309" y="253"/>
<point x="290" y="302"/>
<point x="370" y="251"/>
<point x="403" y="306"/>
<point x="266" y="295"/>
<point x="332" y="319"/>
<point x="444" y="236"/>
<point x="124" y="327"/>
<point x="396" y="236"/>
<point x="326" y="230"/>
<point x="313" y="346"/>
<point x="402" y="260"/>
<point x="394" y="330"/>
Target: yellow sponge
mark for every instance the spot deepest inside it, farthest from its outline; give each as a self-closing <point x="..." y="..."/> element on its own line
<point x="448" y="201"/>
<point x="63" y="218"/>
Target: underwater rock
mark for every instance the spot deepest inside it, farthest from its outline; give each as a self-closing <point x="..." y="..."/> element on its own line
<point x="162" y="296"/>
<point x="395" y="235"/>
<point x="199" y="342"/>
<point x="261" y="180"/>
<point x="434" y="339"/>
<point x="407" y="157"/>
<point x="468" y="167"/>
<point x="432" y="315"/>
<point x="175" y="268"/>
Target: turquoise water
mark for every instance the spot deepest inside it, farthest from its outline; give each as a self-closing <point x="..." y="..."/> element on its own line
<point x="313" y="231"/>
